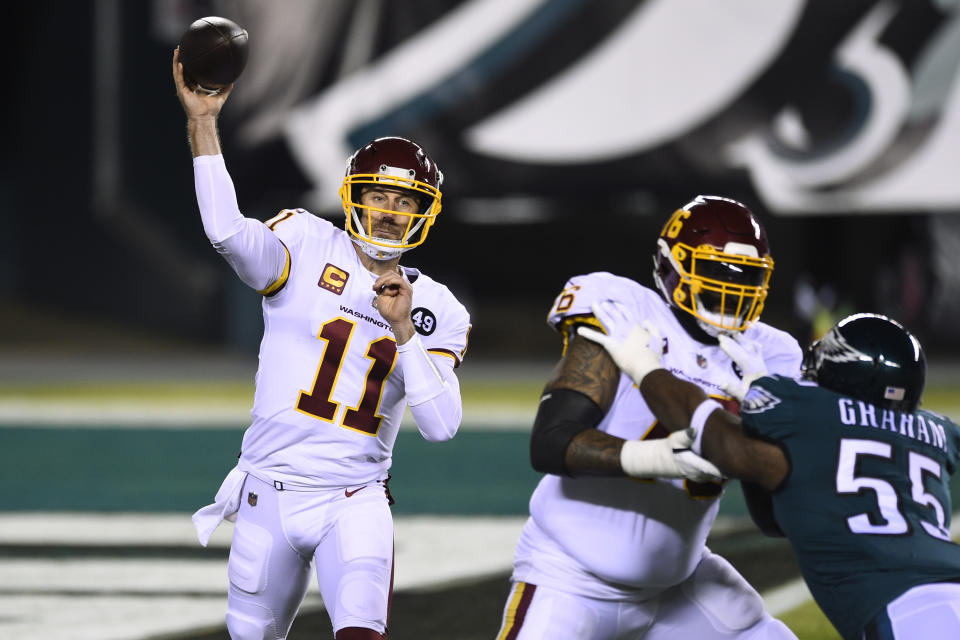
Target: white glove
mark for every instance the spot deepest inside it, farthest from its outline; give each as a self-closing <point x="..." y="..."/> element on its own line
<point x="636" y="350"/>
<point x="749" y="358"/>
<point x="692" y="465"/>
<point x="668" y="457"/>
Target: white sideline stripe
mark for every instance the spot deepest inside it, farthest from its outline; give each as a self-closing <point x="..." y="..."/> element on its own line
<point x="188" y="416"/>
<point x="100" y="598"/>
<point x="103" y="529"/>
<point x="786" y="597"/>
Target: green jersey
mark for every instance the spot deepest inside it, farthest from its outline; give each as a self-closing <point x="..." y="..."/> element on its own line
<point x="866" y="505"/>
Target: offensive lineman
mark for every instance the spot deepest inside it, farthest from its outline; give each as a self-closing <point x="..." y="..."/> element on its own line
<point x="858" y="475"/>
<point x="350" y="339"/>
<point x="604" y="556"/>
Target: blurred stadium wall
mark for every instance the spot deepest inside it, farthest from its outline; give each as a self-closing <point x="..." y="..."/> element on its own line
<point x="568" y="130"/>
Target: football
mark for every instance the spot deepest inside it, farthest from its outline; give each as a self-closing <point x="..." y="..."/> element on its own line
<point x="213" y="52"/>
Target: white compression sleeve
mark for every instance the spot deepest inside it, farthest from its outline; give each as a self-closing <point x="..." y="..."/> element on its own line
<point x="699" y="419"/>
<point x="433" y="391"/>
<point x="249" y="247"/>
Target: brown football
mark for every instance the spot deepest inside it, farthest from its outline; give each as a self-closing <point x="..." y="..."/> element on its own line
<point x="213" y="52"/>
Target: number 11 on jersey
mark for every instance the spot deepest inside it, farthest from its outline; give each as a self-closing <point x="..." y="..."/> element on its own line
<point x="319" y="403"/>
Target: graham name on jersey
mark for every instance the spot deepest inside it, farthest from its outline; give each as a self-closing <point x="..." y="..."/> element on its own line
<point x="859" y="413"/>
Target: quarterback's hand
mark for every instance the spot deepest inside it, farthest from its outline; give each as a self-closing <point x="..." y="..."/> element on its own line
<point x="196" y="103"/>
<point x="668" y="457"/>
<point x="394" y="300"/>
<point x="749" y="358"/>
<point x="636" y="350"/>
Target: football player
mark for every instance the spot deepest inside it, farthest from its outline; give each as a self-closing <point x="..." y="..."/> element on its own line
<point x="858" y="476"/>
<point x="351" y="338"/>
<point x="604" y="555"/>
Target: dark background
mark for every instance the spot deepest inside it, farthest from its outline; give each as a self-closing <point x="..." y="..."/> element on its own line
<point x="102" y="249"/>
<point x="100" y="226"/>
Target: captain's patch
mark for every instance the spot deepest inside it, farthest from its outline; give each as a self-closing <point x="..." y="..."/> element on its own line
<point x="333" y="279"/>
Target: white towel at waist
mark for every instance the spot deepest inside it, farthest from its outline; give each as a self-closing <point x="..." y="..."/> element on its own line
<point x="225" y="506"/>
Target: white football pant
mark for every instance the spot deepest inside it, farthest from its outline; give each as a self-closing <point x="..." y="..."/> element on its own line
<point x="278" y="533"/>
<point x="928" y="611"/>
<point x="714" y="603"/>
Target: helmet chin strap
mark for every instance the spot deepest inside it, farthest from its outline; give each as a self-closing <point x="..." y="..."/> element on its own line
<point x="376" y="251"/>
<point x="712" y="329"/>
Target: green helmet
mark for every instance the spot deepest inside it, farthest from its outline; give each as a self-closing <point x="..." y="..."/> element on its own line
<point x="869" y="357"/>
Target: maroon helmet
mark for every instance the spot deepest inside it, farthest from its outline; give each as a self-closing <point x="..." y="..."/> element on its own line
<point x="713" y="261"/>
<point x="391" y="163"/>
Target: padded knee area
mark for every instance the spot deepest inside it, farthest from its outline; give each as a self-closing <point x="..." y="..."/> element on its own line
<point x="245" y="627"/>
<point x="362" y="598"/>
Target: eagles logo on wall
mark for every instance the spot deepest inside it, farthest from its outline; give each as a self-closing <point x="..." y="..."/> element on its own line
<point x="815" y="106"/>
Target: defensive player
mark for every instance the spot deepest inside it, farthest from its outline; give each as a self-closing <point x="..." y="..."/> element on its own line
<point x="350" y="339"/>
<point x="858" y="475"/>
<point x="603" y="555"/>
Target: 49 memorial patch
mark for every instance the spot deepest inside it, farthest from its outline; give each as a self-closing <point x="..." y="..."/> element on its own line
<point x="424" y="321"/>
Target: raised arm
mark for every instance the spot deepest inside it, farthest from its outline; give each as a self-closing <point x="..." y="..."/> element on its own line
<point x="258" y="257"/>
<point x="202" y="112"/>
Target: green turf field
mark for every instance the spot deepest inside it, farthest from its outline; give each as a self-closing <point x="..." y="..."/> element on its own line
<point x="116" y="468"/>
<point x="507" y="391"/>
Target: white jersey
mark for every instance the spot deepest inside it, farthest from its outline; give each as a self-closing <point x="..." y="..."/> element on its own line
<point x="635" y="533"/>
<point x="329" y="396"/>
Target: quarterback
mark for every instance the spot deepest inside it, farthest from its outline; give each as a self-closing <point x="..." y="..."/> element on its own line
<point x="605" y="554"/>
<point x="351" y="339"/>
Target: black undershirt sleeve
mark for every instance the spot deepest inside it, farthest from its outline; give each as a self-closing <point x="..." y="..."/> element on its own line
<point x="562" y="414"/>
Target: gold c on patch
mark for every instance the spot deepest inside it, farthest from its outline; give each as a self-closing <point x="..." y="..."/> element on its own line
<point x="333" y="279"/>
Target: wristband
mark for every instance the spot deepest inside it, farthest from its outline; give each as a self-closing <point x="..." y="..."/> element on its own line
<point x="699" y="419"/>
